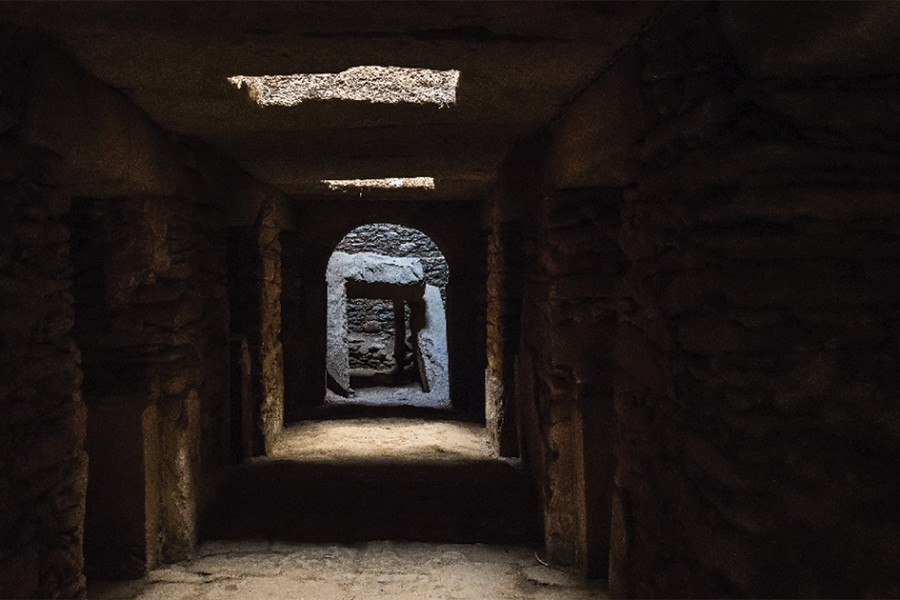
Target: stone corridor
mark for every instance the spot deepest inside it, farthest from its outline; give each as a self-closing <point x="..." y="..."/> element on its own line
<point x="663" y="242"/>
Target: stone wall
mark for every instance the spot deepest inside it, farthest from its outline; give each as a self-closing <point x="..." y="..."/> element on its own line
<point x="151" y="314"/>
<point x="563" y="363"/>
<point x="502" y="331"/>
<point x="114" y="329"/>
<point x="43" y="466"/>
<point x="255" y="276"/>
<point x="371" y="338"/>
<point x="713" y="292"/>
<point x="321" y="225"/>
<point x="757" y="435"/>
<point x="396" y="240"/>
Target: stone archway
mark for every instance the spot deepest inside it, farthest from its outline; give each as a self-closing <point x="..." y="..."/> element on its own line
<point x="386" y="319"/>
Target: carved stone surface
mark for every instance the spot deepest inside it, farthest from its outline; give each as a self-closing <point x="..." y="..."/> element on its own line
<point x="368" y="275"/>
<point x="432" y="345"/>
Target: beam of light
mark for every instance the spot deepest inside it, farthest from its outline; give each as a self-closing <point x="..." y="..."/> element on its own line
<point x="388" y="85"/>
<point x="385" y="183"/>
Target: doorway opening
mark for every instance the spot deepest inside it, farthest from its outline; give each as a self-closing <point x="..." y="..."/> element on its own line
<point x="386" y="327"/>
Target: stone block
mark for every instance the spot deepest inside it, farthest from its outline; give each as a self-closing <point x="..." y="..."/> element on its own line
<point x="432" y="343"/>
<point x="368" y="275"/>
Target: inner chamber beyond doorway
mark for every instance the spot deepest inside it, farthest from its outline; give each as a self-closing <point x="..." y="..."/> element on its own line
<point x="386" y="325"/>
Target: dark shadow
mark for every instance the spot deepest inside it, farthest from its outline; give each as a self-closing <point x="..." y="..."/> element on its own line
<point x="450" y="501"/>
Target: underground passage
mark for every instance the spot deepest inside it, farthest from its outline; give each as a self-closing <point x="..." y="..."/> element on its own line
<point x="449" y="300"/>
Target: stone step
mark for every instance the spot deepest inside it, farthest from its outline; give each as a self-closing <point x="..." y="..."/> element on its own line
<point x="328" y="500"/>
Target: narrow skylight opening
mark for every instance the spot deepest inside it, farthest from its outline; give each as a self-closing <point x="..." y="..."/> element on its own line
<point x="385" y="183"/>
<point x="387" y="85"/>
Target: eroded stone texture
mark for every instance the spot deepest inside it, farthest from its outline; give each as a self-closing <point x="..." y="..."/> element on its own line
<point x="758" y="334"/>
<point x="255" y="285"/>
<point x="371" y="322"/>
<point x="396" y="240"/>
<point x="569" y="327"/>
<point x="150" y="321"/>
<point x="552" y="325"/>
<point x="142" y="292"/>
<point x="431" y="340"/>
<point x="43" y="466"/>
<point x="363" y="275"/>
<point x="504" y="283"/>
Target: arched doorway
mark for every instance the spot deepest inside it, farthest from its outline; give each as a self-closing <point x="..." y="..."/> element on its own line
<point x="386" y="323"/>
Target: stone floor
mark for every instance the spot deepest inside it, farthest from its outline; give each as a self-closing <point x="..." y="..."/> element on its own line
<point x="401" y="395"/>
<point x="368" y="571"/>
<point x="384" y="437"/>
<point x="464" y="522"/>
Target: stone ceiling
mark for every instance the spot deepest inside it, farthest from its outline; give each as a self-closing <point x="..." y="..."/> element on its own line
<point x="520" y="64"/>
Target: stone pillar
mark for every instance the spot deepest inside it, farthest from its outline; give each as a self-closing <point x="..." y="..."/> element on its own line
<point x="122" y="519"/>
<point x="255" y="274"/>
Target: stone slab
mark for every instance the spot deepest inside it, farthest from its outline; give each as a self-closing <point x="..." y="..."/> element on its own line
<point x="367" y="275"/>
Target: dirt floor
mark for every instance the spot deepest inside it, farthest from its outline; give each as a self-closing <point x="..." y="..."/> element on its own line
<point x="375" y="438"/>
<point x="309" y="520"/>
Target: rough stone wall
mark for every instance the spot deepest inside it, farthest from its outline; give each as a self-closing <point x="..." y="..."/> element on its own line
<point x="396" y="240"/>
<point x="371" y="347"/>
<point x="757" y="423"/>
<point x="293" y="317"/>
<point x="504" y="269"/>
<point x="43" y="466"/>
<point x="255" y="284"/>
<point x="320" y="226"/>
<point x="108" y="469"/>
<point x="151" y="323"/>
<point x="371" y="338"/>
<point x="569" y="323"/>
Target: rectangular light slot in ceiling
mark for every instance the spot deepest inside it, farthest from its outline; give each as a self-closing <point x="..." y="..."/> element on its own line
<point x="388" y="85"/>
<point x="385" y="183"/>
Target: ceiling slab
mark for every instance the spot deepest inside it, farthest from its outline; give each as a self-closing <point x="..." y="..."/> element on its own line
<point x="520" y="63"/>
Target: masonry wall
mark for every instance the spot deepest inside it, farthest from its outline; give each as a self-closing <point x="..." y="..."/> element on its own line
<point x="559" y="264"/>
<point x="759" y="344"/>
<point x="115" y="366"/>
<point x="255" y="276"/>
<point x="504" y="296"/>
<point x="43" y="465"/>
<point x="709" y="309"/>
<point x="151" y="314"/>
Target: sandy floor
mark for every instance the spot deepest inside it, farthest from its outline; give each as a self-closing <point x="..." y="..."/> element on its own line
<point x="387" y="438"/>
<point x="370" y="571"/>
